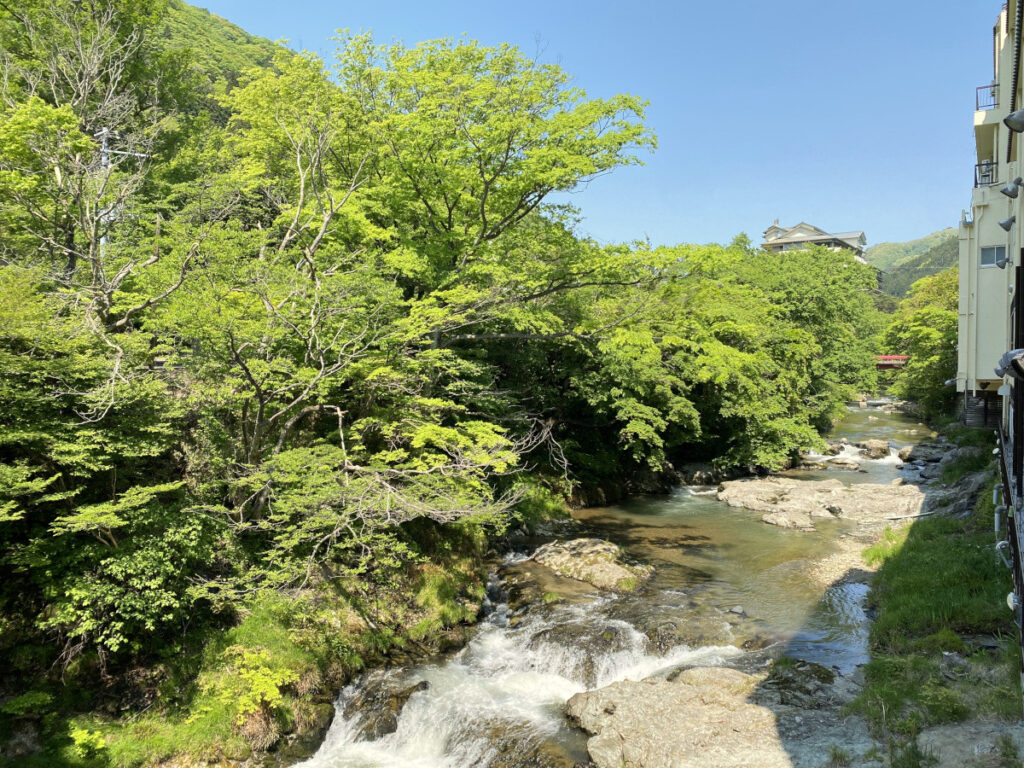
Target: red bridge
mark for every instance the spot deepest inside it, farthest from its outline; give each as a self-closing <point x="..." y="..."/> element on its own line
<point x="888" y="362"/>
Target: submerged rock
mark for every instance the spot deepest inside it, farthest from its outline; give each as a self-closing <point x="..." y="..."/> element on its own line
<point x="594" y="561"/>
<point x="797" y="520"/>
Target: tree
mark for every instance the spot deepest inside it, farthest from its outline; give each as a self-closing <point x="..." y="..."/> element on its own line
<point x="924" y="328"/>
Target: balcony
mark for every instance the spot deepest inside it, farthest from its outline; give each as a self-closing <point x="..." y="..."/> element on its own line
<point x="986" y="97"/>
<point x="986" y="174"/>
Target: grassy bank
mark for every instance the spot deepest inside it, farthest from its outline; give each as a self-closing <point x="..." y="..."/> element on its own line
<point x="943" y="643"/>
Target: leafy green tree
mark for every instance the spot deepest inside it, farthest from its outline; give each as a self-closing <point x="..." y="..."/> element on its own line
<point x="924" y="328"/>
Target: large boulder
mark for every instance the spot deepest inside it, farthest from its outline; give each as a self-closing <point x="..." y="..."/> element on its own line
<point x="795" y="503"/>
<point x="715" y="717"/>
<point x="595" y="561"/>
<point x="874" y="449"/>
<point x="966" y="453"/>
<point x="928" y="452"/>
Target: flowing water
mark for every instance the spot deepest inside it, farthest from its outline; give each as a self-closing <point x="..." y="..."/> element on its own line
<point x="725" y="585"/>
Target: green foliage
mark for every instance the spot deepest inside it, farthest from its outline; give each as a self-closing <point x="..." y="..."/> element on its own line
<point x="908" y="754"/>
<point x="1009" y="757"/>
<point x="88" y="744"/>
<point x="924" y="328"/>
<point x="253" y="685"/>
<point x="273" y="372"/>
<point x="28" y="703"/>
<point x="971" y="463"/>
<point x="969" y="436"/>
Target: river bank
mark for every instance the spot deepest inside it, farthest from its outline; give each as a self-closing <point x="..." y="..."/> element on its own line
<point x="698" y="628"/>
<point x="729" y="595"/>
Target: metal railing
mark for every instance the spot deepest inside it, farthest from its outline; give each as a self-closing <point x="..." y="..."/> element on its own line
<point x="1011" y="470"/>
<point x="986" y="173"/>
<point x="986" y="97"/>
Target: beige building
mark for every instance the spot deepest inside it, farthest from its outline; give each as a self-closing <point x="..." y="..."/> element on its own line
<point x="989" y="238"/>
<point x="778" y="238"/>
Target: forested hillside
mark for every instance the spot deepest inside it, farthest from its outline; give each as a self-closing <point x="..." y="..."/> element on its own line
<point x="885" y="256"/>
<point x="898" y="279"/>
<point x="286" y="346"/>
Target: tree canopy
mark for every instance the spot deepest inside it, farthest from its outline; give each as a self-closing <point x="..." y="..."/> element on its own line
<point x="253" y="333"/>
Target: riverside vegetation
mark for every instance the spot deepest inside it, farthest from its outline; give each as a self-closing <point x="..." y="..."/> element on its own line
<point x="287" y="346"/>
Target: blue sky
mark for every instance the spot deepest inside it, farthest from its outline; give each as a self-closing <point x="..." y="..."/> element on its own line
<point x="847" y="115"/>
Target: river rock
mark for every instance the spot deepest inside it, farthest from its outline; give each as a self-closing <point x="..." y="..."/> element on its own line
<point x="709" y="717"/>
<point x="811" y="464"/>
<point x="378" y="703"/>
<point x="800" y="521"/>
<point x="972" y="743"/>
<point x="905" y="453"/>
<point x="518" y="745"/>
<point x="960" y="497"/>
<point x="841" y="462"/>
<point x="595" y="561"/>
<point x="874" y="449"/>
<point x="799" y="683"/>
<point x="794" y="503"/>
<point x="966" y="453"/>
<point x="928" y="452"/>
<point x="833" y="449"/>
<point x="586" y="642"/>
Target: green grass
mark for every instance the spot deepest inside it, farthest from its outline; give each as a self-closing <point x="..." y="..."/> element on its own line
<point x="838" y="757"/>
<point x="939" y="575"/>
<point x="969" y="436"/>
<point x="938" y="581"/>
<point x="908" y="754"/>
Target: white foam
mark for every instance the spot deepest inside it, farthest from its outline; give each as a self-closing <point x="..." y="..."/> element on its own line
<point x="517" y="678"/>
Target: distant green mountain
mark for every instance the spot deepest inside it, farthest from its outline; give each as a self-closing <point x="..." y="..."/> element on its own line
<point x="897" y="280"/>
<point x="886" y="256"/>
<point x="215" y="46"/>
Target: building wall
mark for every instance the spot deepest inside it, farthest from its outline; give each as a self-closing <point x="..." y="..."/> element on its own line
<point x="986" y="292"/>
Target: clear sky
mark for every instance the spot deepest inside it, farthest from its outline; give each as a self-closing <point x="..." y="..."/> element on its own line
<point x="849" y="115"/>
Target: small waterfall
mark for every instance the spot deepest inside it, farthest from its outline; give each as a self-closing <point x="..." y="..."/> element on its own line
<point x="503" y="695"/>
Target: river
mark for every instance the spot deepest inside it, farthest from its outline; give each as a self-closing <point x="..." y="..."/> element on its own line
<point x="727" y="590"/>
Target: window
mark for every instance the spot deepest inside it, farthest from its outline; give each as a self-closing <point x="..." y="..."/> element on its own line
<point x="991" y="254"/>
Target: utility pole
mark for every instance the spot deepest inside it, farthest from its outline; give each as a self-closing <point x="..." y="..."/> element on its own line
<point x="109" y="214"/>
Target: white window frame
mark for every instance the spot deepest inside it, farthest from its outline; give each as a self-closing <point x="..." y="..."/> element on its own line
<point x="995" y="252"/>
